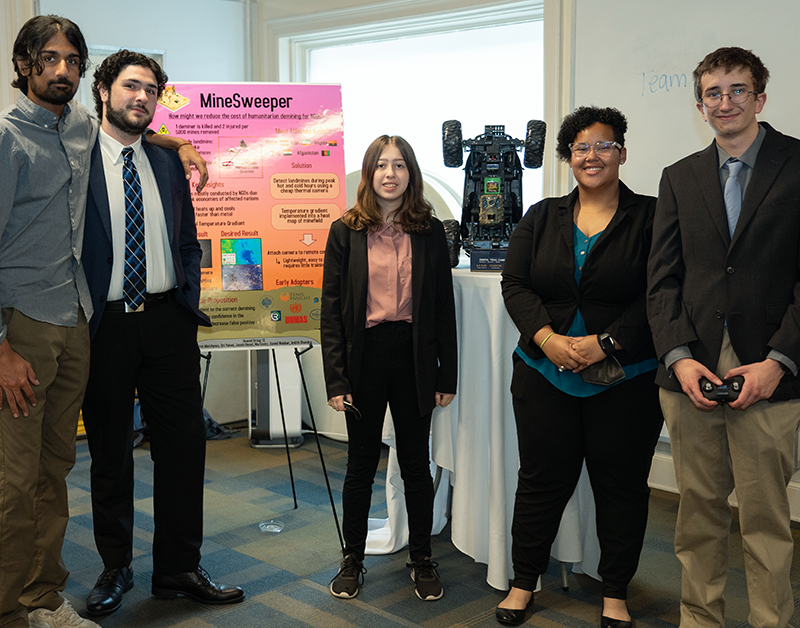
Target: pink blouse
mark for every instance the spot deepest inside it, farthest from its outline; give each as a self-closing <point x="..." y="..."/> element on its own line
<point x="389" y="287"/>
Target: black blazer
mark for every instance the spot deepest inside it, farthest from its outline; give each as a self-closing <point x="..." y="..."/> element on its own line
<point x="344" y="312"/>
<point x="181" y="230"/>
<point x="539" y="286"/>
<point x="699" y="277"/>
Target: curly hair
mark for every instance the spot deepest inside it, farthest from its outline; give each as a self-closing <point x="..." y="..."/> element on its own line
<point x="584" y="117"/>
<point x="33" y="36"/>
<point x="415" y="213"/>
<point x="111" y="67"/>
<point x="729" y="59"/>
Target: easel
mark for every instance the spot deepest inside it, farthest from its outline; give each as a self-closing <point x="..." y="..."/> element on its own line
<point x="288" y="443"/>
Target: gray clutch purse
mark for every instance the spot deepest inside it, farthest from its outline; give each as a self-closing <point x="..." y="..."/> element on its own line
<point x="604" y="373"/>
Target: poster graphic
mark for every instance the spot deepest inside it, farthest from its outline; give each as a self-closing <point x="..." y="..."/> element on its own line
<point x="276" y="183"/>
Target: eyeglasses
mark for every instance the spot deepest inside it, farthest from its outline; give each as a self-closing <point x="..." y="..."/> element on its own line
<point x="581" y="149"/>
<point x="735" y="96"/>
<point x="349" y="407"/>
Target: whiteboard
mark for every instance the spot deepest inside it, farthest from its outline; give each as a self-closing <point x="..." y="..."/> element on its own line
<point x="638" y="56"/>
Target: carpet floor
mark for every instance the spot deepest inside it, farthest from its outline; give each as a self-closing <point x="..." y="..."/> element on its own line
<point x="286" y="575"/>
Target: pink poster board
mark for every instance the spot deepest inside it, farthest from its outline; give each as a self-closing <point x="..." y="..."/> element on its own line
<point x="276" y="183"/>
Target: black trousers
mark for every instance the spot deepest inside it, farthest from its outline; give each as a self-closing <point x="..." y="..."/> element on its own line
<point x="156" y="353"/>
<point x="387" y="376"/>
<point x="616" y="433"/>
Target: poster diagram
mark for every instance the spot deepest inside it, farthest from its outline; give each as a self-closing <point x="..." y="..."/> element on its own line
<point x="241" y="264"/>
<point x="238" y="159"/>
<point x="276" y="183"/>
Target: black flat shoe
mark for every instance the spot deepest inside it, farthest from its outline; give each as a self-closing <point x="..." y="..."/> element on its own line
<point x="607" y="622"/>
<point x="106" y="597"/>
<point x="197" y="585"/>
<point x="509" y="616"/>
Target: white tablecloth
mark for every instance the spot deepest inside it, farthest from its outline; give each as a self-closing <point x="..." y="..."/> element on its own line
<point x="385" y="536"/>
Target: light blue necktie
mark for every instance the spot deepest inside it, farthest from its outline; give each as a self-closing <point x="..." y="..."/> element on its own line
<point x="135" y="273"/>
<point x="733" y="193"/>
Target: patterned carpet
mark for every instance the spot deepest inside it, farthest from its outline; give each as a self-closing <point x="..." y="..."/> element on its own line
<point x="286" y="575"/>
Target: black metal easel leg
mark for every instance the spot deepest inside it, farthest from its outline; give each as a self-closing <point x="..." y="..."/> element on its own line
<point x="207" y="358"/>
<point x="319" y="447"/>
<point x="283" y="420"/>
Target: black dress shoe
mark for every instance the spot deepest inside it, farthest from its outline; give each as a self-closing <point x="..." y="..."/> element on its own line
<point x="509" y="616"/>
<point x="196" y="585"/>
<point x="106" y="596"/>
<point x="607" y="622"/>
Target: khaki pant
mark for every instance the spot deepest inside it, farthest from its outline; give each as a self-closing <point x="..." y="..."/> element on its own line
<point x="36" y="454"/>
<point x="715" y="452"/>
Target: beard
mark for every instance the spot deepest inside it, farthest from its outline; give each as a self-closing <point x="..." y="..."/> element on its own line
<point x="131" y="126"/>
<point x="54" y="96"/>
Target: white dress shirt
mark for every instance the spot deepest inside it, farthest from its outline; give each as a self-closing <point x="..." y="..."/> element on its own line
<point x="160" y="269"/>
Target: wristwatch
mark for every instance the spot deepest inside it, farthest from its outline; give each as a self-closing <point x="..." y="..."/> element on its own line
<point x="607" y="343"/>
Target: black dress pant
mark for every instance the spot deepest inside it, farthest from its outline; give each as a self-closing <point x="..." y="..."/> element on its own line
<point x="616" y="432"/>
<point x="387" y="376"/>
<point x="156" y="353"/>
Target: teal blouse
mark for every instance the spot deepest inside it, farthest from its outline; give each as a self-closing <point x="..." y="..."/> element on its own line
<point x="567" y="381"/>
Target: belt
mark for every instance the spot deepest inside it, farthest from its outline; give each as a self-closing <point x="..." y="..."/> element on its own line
<point x="150" y="301"/>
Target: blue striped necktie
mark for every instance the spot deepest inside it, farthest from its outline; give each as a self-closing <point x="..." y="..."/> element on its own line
<point x="135" y="273"/>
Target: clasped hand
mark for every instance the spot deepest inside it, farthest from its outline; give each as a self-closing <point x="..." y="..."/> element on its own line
<point x="573" y="352"/>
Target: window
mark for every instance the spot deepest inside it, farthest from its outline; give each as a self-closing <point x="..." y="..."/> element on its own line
<point x="409" y="86"/>
<point x="98" y="54"/>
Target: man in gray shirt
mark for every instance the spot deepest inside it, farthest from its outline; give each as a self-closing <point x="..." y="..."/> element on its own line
<point x="45" y="143"/>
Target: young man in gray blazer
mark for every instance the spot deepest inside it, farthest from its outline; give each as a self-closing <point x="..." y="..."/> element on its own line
<point x="724" y="301"/>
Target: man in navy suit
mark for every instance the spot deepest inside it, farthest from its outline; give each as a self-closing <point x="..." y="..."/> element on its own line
<point x="143" y="268"/>
<point x="724" y="301"/>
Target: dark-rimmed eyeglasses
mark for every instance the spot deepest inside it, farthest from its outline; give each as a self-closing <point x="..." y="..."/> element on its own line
<point x="735" y="96"/>
<point x="581" y="149"/>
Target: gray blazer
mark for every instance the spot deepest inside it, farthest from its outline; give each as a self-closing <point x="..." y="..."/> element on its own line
<point x="699" y="277"/>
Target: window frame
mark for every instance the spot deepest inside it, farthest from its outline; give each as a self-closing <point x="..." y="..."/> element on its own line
<point x="289" y="41"/>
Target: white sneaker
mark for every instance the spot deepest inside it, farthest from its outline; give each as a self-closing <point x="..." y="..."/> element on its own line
<point x="64" y="617"/>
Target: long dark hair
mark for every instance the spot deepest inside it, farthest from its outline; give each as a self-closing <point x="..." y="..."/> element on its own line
<point x="415" y="213"/>
<point x="32" y="37"/>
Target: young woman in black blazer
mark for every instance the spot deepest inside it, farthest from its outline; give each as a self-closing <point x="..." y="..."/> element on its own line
<point x="388" y="335"/>
<point x="574" y="284"/>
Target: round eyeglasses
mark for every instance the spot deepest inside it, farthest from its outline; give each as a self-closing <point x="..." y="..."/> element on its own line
<point x="735" y="96"/>
<point x="581" y="149"/>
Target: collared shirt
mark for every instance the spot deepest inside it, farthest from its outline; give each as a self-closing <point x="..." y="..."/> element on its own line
<point x="748" y="158"/>
<point x="160" y="269"/>
<point x="44" y="179"/>
<point x="389" y="291"/>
